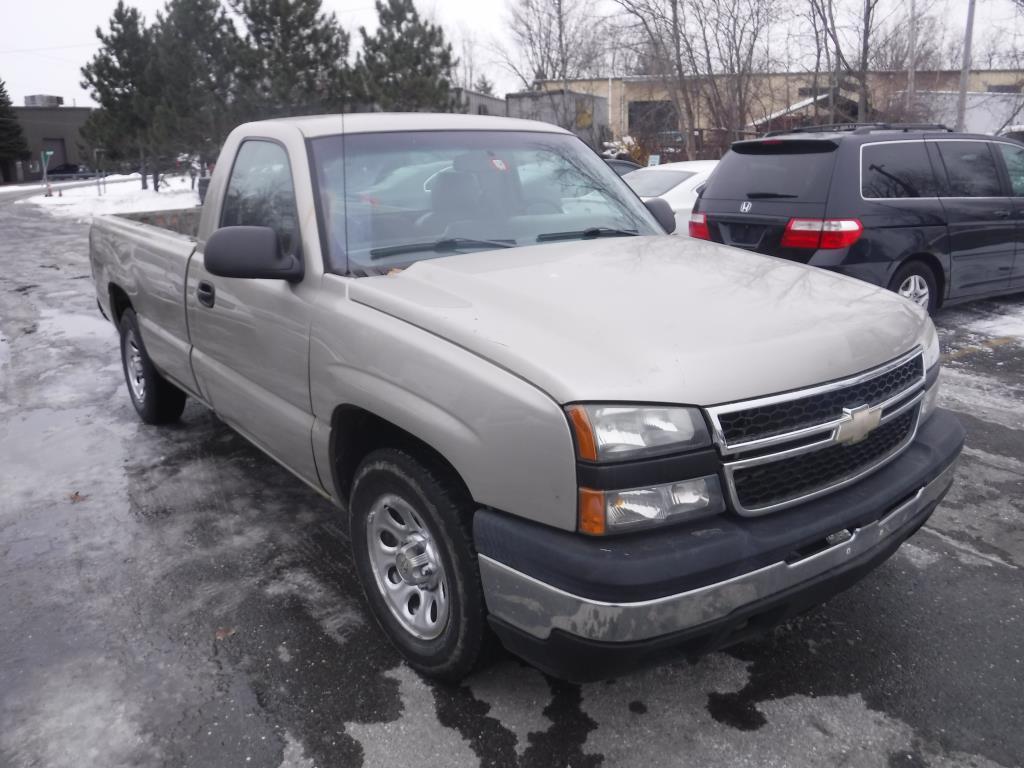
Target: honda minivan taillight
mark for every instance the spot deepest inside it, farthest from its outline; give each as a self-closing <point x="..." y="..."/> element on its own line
<point x="821" y="233"/>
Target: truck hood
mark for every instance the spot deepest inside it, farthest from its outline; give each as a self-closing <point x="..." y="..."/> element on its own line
<point x="653" y="319"/>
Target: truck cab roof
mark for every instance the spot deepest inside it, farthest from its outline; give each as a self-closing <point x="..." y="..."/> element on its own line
<point x="378" y="122"/>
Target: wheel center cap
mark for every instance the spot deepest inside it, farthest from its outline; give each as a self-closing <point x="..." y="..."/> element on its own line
<point x="415" y="561"/>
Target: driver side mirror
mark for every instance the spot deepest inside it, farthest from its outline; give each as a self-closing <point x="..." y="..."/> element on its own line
<point x="250" y="252"/>
<point x="663" y="213"/>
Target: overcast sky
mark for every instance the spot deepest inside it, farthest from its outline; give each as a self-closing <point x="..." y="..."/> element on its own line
<point x="47" y="41"/>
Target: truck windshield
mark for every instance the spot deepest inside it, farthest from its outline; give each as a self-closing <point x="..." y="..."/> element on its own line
<point x="388" y="200"/>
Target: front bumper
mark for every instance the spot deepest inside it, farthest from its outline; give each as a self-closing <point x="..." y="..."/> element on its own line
<point x="585" y="615"/>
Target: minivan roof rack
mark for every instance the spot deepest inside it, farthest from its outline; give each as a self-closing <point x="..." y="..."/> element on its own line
<point x="862" y="128"/>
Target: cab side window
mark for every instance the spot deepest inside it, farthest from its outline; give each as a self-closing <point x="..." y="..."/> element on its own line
<point x="971" y="169"/>
<point x="261" y="194"/>
<point x="1014" y="157"/>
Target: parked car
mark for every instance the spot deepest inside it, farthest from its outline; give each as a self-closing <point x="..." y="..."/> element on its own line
<point x="931" y="214"/>
<point x="675" y="183"/>
<point x="69" y="170"/>
<point x="541" y="417"/>
<point x="622" y="167"/>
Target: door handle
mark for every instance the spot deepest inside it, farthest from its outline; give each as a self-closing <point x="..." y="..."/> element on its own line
<point x="205" y="293"/>
<point x="1002" y="213"/>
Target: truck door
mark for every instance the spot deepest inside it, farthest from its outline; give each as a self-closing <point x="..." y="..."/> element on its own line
<point x="1013" y="156"/>
<point x="250" y="338"/>
<point x="982" y="232"/>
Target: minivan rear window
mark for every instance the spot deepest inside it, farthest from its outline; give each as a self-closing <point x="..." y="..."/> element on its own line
<point x="767" y="170"/>
<point x="897" y="169"/>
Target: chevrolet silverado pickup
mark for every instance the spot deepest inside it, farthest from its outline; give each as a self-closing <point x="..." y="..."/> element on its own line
<point x="545" y="420"/>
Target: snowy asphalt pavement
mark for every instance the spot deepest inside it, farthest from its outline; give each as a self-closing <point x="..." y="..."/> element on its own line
<point x="169" y="596"/>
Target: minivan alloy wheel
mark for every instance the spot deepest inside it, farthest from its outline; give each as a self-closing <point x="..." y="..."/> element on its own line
<point x="407" y="567"/>
<point x="915" y="288"/>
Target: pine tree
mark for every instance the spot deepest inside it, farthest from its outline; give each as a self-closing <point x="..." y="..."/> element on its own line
<point x="118" y="79"/>
<point x="484" y="86"/>
<point x="406" y="66"/>
<point x="195" y="64"/>
<point x="295" y="57"/>
<point x="12" y="139"/>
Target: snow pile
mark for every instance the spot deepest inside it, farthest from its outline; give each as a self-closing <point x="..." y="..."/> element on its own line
<point x="1009" y="323"/>
<point x="82" y="203"/>
<point x="17" y="189"/>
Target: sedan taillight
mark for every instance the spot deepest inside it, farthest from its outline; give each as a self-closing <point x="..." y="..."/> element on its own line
<point x="821" y="233"/>
<point x="699" y="226"/>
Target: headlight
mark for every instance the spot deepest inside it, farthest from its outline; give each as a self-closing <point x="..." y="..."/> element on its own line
<point x="930" y="342"/>
<point x="620" y="432"/>
<point x="930" y="401"/>
<point x="603" y="512"/>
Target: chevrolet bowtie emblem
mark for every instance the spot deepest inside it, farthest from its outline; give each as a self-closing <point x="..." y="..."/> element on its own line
<point x="857" y="424"/>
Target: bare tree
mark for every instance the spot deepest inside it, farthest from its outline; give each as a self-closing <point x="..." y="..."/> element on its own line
<point x="708" y="53"/>
<point x="555" y="40"/>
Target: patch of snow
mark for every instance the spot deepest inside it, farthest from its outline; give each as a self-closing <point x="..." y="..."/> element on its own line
<point x="417" y="737"/>
<point x="517" y="696"/>
<point x="82" y="203"/>
<point x="17" y="189"/>
<point x="294" y="755"/>
<point x="1001" y="326"/>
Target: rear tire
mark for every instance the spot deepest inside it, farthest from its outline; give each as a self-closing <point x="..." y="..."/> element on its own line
<point x="156" y="400"/>
<point x="409" y="523"/>
<point x="916" y="281"/>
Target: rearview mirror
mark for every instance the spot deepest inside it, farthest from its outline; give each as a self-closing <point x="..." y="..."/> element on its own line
<point x="663" y="213"/>
<point x="250" y="252"/>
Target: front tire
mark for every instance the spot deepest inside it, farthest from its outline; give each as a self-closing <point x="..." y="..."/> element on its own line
<point x="409" y="523"/>
<point x="916" y="281"/>
<point x="156" y="400"/>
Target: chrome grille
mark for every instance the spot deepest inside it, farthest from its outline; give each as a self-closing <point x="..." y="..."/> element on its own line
<point x="789" y="415"/>
<point x="764" y="485"/>
<point x="788" y="448"/>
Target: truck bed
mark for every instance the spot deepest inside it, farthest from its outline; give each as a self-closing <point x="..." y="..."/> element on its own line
<point x="184" y="221"/>
<point x="147" y="255"/>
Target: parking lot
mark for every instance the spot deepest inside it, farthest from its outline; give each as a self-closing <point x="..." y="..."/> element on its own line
<point x="172" y="597"/>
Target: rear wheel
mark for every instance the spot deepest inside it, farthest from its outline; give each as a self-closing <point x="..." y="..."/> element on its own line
<point x="916" y="281"/>
<point x="411" y="541"/>
<point x="156" y="400"/>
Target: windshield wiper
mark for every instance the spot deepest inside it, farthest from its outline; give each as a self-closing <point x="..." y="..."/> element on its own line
<point x="766" y="195"/>
<point x="439" y="246"/>
<point x="586" y="234"/>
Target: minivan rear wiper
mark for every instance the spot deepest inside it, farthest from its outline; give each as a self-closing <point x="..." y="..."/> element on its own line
<point x="439" y="246"/>
<point x="766" y="195"/>
<point x="586" y="234"/>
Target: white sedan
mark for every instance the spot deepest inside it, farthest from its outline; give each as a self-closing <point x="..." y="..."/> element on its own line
<point x="675" y="183"/>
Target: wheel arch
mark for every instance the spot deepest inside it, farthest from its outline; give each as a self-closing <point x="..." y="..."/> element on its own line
<point x="356" y="432"/>
<point x="119" y="302"/>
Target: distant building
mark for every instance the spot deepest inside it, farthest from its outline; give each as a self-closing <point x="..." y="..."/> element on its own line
<point x="584" y="114"/>
<point x="476" y="103"/>
<point x="984" y="112"/>
<point x="50" y="126"/>
<point x="644" y="105"/>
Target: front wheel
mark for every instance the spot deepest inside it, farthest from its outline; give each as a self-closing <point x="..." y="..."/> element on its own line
<point x="156" y="400"/>
<point x="409" y="526"/>
<point x="916" y="281"/>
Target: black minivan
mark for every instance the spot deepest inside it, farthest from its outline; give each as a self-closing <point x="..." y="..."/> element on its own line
<point x="934" y="215"/>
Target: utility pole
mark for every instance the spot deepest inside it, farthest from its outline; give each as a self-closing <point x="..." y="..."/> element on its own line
<point x="912" y="57"/>
<point x="965" y="70"/>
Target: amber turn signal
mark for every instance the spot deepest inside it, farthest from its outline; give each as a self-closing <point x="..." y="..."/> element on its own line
<point x="585" y="444"/>
<point x="591" y="512"/>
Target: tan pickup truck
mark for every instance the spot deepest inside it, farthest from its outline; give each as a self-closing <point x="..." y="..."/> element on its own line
<point x="546" y="421"/>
